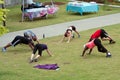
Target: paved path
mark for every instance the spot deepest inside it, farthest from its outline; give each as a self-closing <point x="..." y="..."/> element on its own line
<point x="59" y="29"/>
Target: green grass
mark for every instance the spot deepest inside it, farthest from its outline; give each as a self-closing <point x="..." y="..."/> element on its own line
<point x="14" y="63"/>
<point x="14" y="16"/>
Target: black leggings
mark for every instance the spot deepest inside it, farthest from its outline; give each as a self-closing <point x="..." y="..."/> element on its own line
<point x="39" y="48"/>
<point x="103" y="33"/>
<point x="100" y="47"/>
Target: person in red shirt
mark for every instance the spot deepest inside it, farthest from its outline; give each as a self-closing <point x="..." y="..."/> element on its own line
<point x="95" y="42"/>
<point x="102" y="34"/>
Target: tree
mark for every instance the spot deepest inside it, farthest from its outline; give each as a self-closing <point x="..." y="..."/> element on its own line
<point x="3" y="29"/>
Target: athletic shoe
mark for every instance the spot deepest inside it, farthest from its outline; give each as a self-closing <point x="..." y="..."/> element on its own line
<point x="112" y="42"/>
<point x="30" y="61"/>
<point x="78" y="36"/>
<point x="3" y="49"/>
<point x="35" y="60"/>
<point x="108" y="55"/>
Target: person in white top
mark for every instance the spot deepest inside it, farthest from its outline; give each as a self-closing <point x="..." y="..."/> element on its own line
<point x="68" y="34"/>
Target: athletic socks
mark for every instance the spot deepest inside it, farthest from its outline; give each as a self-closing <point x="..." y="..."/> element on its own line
<point x="108" y="54"/>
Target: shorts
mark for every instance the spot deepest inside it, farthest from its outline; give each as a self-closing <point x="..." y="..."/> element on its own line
<point x="73" y="28"/>
<point x="103" y="33"/>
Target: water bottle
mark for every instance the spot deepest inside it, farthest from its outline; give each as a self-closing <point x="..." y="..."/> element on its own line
<point x="43" y="35"/>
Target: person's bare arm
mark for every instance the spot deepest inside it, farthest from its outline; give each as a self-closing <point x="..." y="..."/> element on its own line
<point x="49" y="53"/>
<point x="84" y="51"/>
<point x="37" y="41"/>
<point x="69" y="36"/>
<point x="104" y="39"/>
<point x="31" y="46"/>
<point x="62" y="39"/>
<point x="90" y="51"/>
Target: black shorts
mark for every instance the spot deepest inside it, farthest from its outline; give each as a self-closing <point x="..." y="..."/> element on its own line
<point x="20" y="39"/>
<point x="100" y="47"/>
<point x="103" y="34"/>
<point x="73" y="28"/>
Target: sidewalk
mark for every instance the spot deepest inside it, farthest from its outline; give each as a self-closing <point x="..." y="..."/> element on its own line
<point x="59" y="29"/>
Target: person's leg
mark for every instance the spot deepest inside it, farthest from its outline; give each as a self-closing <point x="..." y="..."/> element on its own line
<point x="77" y="33"/>
<point x="104" y="50"/>
<point x="33" y="54"/>
<point x="36" y="58"/>
<point x="74" y="29"/>
<point x="13" y="43"/>
<point x="69" y="36"/>
<point x="101" y="48"/>
<point x="39" y="53"/>
<point x="105" y="36"/>
<point x="31" y="58"/>
<point x="4" y="48"/>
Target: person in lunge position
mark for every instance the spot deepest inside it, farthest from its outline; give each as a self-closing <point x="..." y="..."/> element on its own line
<point x="39" y="48"/>
<point x="95" y="42"/>
<point x="102" y="34"/>
<point x="19" y="40"/>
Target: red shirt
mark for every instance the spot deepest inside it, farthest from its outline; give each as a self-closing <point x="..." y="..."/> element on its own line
<point x="96" y="34"/>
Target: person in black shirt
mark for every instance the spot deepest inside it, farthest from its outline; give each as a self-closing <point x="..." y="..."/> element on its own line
<point x="39" y="47"/>
<point x="19" y="40"/>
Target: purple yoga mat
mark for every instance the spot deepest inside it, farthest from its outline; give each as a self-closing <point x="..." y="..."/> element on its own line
<point x="47" y="66"/>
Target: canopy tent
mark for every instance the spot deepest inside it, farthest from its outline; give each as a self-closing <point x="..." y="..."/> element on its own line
<point x="23" y="3"/>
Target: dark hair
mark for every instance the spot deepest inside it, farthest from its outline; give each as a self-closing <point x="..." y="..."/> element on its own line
<point x="65" y="34"/>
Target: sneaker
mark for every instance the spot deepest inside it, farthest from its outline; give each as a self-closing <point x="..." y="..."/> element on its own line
<point x="3" y="49"/>
<point x="112" y="42"/>
<point x="108" y="56"/>
<point x="78" y="36"/>
<point x="30" y="61"/>
<point x="35" y="60"/>
<point x="73" y="36"/>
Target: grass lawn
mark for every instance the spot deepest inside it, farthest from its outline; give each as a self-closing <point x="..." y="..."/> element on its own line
<point x="14" y="63"/>
<point x="14" y="16"/>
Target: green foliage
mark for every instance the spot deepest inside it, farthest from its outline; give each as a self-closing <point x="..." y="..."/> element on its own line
<point x="3" y="30"/>
<point x="1" y="1"/>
